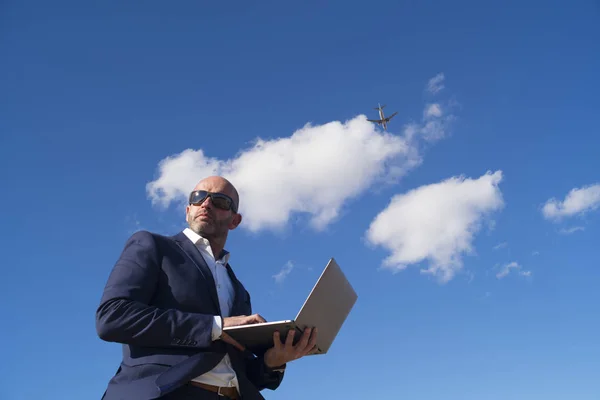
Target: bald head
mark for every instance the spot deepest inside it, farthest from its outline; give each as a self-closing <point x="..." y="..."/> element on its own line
<point x="218" y="184"/>
<point x="214" y="223"/>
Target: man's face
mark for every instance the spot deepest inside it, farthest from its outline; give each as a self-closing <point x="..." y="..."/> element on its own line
<point x="208" y="220"/>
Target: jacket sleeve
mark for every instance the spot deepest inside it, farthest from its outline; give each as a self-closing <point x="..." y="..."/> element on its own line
<point x="262" y="376"/>
<point x="125" y="314"/>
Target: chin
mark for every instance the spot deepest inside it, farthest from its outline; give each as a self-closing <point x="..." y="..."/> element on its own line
<point x="205" y="229"/>
<point x="199" y="227"/>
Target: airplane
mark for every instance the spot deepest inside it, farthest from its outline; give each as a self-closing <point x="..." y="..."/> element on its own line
<point x="382" y="119"/>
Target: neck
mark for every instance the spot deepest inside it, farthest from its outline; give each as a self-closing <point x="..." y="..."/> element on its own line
<point x="216" y="248"/>
<point x="217" y="244"/>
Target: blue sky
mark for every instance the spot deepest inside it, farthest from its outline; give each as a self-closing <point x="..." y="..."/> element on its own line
<point x="478" y="281"/>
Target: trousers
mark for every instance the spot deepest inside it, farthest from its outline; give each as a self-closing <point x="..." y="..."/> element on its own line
<point x="190" y="392"/>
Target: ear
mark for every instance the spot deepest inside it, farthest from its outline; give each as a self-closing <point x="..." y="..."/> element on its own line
<point x="235" y="221"/>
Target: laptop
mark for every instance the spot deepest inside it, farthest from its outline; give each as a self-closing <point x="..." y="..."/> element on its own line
<point x="326" y="308"/>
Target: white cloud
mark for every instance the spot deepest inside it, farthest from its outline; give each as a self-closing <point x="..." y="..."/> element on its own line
<point x="313" y="172"/>
<point x="436" y="222"/>
<point x="506" y="268"/>
<point x="568" y="231"/>
<point x="434" y="124"/>
<point x="436" y="83"/>
<point x="285" y="271"/>
<point x="500" y="246"/>
<point x="433" y="110"/>
<point x="577" y="201"/>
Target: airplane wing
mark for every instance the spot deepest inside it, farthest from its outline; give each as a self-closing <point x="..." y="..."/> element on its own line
<point x="391" y="116"/>
<point x="375" y="120"/>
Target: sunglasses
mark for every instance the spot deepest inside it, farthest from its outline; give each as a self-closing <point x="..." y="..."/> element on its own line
<point x="220" y="200"/>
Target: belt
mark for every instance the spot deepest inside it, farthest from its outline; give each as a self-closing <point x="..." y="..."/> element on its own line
<point x="230" y="392"/>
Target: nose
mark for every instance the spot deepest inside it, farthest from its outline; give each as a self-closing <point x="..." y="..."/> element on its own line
<point x="206" y="203"/>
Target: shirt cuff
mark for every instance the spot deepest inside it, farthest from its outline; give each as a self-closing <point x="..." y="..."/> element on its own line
<point x="217" y="327"/>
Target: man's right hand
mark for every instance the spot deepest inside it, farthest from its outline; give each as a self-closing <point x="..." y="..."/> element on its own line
<point x="243" y="320"/>
<point x="239" y="320"/>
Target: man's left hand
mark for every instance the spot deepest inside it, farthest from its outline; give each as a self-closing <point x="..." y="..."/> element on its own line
<point x="282" y="353"/>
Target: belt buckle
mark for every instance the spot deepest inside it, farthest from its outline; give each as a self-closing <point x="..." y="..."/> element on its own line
<point x="219" y="391"/>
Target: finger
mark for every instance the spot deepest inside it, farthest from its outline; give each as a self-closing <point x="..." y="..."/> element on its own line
<point x="312" y="345"/>
<point x="277" y="341"/>
<point x="313" y="338"/>
<point x="255" y="319"/>
<point x="303" y="343"/>
<point x="259" y="318"/>
<point x="305" y="347"/>
<point x="233" y="321"/>
<point x="289" y="340"/>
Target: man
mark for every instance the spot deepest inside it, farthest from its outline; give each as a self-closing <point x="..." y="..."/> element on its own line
<point x="167" y="301"/>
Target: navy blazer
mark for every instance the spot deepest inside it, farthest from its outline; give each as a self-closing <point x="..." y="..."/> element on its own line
<point x="159" y="302"/>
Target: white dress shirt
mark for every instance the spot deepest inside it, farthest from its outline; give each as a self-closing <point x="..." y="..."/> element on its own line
<point x="223" y="374"/>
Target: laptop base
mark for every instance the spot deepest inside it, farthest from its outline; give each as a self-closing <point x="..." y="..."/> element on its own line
<point x="258" y="338"/>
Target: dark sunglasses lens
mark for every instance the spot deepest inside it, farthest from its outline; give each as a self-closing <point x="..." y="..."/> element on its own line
<point x="198" y="196"/>
<point x="221" y="201"/>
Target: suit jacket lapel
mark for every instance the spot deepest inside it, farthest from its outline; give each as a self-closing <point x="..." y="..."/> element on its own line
<point x="238" y="307"/>
<point x="192" y="251"/>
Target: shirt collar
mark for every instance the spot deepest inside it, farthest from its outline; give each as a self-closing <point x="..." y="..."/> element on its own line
<point x="204" y="244"/>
